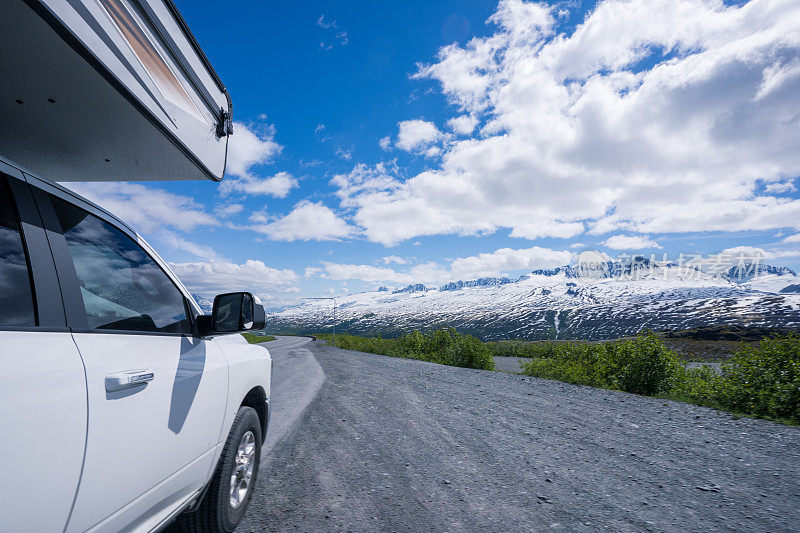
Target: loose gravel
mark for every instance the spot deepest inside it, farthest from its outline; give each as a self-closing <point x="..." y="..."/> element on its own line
<point x="401" y="445"/>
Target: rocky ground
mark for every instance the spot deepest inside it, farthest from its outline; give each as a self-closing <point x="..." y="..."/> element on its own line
<point x="402" y="445"/>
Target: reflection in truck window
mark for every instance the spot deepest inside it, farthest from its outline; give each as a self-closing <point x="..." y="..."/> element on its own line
<point x="122" y="287"/>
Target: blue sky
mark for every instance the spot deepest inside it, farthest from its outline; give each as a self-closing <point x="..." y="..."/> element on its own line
<point x="384" y="142"/>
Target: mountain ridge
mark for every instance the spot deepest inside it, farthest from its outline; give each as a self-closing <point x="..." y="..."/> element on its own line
<point x="564" y="302"/>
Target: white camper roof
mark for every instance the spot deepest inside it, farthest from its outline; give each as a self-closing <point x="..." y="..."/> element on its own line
<point x="109" y="90"/>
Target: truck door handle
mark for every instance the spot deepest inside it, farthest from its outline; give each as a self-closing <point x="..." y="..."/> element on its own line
<point x="127" y="380"/>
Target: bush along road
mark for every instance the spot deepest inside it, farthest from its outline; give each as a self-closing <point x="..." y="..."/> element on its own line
<point x="396" y="444"/>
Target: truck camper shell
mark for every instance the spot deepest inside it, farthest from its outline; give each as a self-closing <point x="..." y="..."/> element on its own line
<point x="109" y="90"/>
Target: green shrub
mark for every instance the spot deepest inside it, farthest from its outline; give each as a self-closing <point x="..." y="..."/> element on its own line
<point x="444" y="346"/>
<point x="699" y="385"/>
<point x="526" y="350"/>
<point x="764" y="380"/>
<point x="642" y="365"/>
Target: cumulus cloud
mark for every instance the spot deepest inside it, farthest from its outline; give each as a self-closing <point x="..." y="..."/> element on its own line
<point x="227" y="210"/>
<point x="213" y="277"/>
<point x="306" y="222"/>
<point x="278" y="185"/>
<point x="147" y="209"/>
<point x="417" y="135"/>
<point x="780" y="187"/>
<point x="650" y="116"/>
<point x="507" y="259"/>
<point x="365" y="180"/>
<point x="756" y="253"/>
<point x="485" y="264"/>
<point x="311" y="272"/>
<point x="363" y="272"/>
<point x="248" y="148"/>
<point x="463" y="124"/>
<point x="630" y="242"/>
<point x="394" y="259"/>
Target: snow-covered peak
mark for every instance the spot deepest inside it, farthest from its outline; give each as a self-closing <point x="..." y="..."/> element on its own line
<point x="566" y="302"/>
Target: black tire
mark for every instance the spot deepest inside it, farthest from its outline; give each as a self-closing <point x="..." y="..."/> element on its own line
<point x="216" y="513"/>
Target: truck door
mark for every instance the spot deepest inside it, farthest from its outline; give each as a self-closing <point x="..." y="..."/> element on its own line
<point x="156" y="393"/>
<point x="42" y="382"/>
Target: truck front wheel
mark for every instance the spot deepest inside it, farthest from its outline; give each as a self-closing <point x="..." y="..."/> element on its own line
<point x="225" y="503"/>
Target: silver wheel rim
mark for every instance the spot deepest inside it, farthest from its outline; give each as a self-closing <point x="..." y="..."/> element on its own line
<point x="243" y="466"/>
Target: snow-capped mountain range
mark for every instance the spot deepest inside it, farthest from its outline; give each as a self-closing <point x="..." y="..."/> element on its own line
<point x="567" y="302"/>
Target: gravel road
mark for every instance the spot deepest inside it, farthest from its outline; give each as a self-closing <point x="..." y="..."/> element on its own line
<point x="400" y="445"/>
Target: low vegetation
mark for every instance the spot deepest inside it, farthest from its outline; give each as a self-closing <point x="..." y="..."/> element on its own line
<point x="444" y="346"/>
<point x="642" y="365"/>
<point x="252" y="338"/>
<point x="714" y="344"/>
<point x="761" y="379"/>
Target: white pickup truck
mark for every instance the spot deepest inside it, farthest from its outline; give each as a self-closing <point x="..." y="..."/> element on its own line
<point x="122" y="406"/>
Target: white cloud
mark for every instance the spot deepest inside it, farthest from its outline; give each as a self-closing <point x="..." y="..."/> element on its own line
<point x="579" y="136"/>
<point x="311" y="272"/>
<point x="213" y="277"/>
<point x="146" y="209"/>
<point x="779" y="187"/>
<point x="463" y="124"/>
<point x="362" y="272"/>
<point x="385" y="143"/>
<point x="338" y="35"/>
<point x="278" y="185"/>
<point x="228" y="210"/>
<point x="507" y="259"/>
<point x="322" y="23"/>
<point x="394" y="259"/>
<point x="756" y="253"/>
<point x="344" y="154"/>
<point x="485" y="264"/>
<point x="247" y="148"/>
<point x="307" y="221"/>
<point x="630" y="242"/>
<point x="416" y="135"/>
<point x="364" y="180"/>
<point x="792" y="238"/>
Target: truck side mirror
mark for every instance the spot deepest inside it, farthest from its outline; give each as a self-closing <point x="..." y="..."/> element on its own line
<point x="237" y="311"/>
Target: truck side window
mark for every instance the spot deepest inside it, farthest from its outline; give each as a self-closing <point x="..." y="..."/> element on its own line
<point x="16" y="298"/>
<point x="122" y="287"/>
